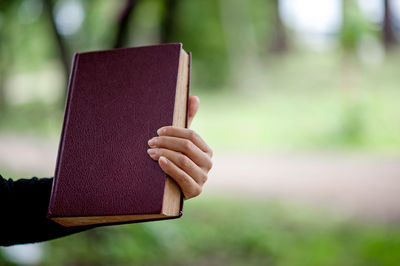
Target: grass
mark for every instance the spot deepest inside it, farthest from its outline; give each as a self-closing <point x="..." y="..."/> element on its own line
<point x="233" y="231"/>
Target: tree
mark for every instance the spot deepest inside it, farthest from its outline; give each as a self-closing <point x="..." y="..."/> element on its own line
<point x="354" y="27"/>
<point x="168" y="20"/>
<point x="7" y="9"/>
<point x="123" y="23"/>
<point x="61" y="43"/>
<point x="279" y="39"/>
<point x="389" y="38"/>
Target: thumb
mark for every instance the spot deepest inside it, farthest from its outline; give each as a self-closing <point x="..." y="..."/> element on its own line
<point x="194" y="103"/>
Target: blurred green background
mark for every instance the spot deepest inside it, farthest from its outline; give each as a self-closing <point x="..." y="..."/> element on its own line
<point x="273" y="76"/>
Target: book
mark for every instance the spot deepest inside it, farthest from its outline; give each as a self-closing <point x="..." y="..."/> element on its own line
<point x="116" y="101"/>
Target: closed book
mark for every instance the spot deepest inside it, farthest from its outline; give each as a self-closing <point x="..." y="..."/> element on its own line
<point x="116" y="101"/>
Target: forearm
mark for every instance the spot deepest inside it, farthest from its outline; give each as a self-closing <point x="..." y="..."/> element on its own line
<point x="23" y="211"/>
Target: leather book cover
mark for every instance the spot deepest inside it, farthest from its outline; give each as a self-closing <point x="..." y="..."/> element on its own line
<point x="117" y="99"/>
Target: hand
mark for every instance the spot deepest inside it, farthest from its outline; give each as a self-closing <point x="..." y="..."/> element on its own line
<point x="183" y="154"/>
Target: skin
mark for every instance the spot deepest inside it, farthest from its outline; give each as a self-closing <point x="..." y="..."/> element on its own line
<point x="183" y="154"/>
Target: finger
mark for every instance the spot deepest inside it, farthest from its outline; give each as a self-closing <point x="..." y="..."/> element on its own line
<point x="194" y="104"/>
<point x="188" y="186"/>
<point x="185" y="134"/>
<point x="182" y="161"/>
<point x="185" y="146"/>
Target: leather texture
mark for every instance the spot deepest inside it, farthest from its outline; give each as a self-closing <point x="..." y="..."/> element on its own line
<point x="117" y="99"/>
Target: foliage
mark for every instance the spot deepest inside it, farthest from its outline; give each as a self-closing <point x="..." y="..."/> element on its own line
<point x="33" y="118"/>
<point x="205" y="39"/>
<point x="251" y="100"/>
<point x="355" y="28"/>
<point x="227" y="231"/>
<point x="313" y="109"/>
<point x="276" y="113"/>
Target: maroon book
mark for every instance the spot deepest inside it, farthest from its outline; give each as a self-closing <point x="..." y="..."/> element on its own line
<point x="117" y="99"/>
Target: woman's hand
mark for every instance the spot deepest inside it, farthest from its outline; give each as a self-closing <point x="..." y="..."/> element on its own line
<point x="183" y="154"/>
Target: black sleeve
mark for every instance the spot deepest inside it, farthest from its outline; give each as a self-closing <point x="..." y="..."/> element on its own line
<point x="23" y="209"/>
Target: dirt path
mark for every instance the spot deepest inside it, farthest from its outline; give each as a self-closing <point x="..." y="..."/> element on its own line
<point x="355" y="185"/>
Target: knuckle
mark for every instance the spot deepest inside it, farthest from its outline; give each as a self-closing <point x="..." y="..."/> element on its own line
<point x="209" y="165"/>
<point x="184" y="161"/>
<point x="192" y="134"/>
<point x="211" y="153"/>
<point x="203" y="178"/>
<point x="187" y="145"/>
<point x="185" y="182"/>
<point x="195" y="191"/>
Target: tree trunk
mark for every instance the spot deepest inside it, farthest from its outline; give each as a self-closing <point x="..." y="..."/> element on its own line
<point x="123" y="23"/>
<point x="389" y="38"/>
<point x="5" y="63"/>
<point x="61" y="44"/>
<point x="279" y="39"/>
<point x="2" y="91"/>
<point x="168" y="21"/>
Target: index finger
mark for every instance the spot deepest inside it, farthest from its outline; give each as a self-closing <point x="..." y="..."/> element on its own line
<point x="186" y="134"/>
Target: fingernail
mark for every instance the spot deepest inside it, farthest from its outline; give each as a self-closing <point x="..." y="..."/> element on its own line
<point x="152" y="152"/>
<point x="163" y="160"/>
<point x="161" y="131"/>
<point x="152" y="142"/>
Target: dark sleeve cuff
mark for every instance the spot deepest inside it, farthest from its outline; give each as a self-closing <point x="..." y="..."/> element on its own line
<point x="23" y="208"/>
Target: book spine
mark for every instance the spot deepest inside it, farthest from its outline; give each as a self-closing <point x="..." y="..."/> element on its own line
<point x="187" y="116"/>
<point x="71" y="82"/>
<point x="188" y="89"/>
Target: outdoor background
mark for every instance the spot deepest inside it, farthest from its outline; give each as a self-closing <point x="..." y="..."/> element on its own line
<point x="300" y="100"/>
